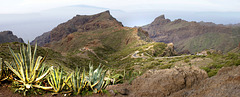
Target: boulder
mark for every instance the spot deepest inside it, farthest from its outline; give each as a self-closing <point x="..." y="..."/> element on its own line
<point x="161" y="83"/>
<point x="225" y="84"/>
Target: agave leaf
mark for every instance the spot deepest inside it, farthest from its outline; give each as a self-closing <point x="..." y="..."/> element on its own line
<point x="34" y="57"/>
<point x="42" y="87"/>
<point x="50" y="81"/>
<point x="101" y="82"/>
<point x="29" y="69"/>
<point x="15" y="58"/>
<point x="42" y="76"/>
<point x="82" y="81"/>
<point x="13" y="70"/>
<point x="66" y="80"/>
<point x="1" y="67"/>
<point x="96" y="78"/>
<point x="56" y="79"/>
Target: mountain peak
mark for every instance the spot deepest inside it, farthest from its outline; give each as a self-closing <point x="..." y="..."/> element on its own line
<point x="7" y="36"/>
<point x="161" y="20"/>
<point x="105" y="12"/>
<point x="79" y="23"/>
<point x="7" y="32"/>
<point x="184" y="34"/>
<point x="161" y="17"/>
<point x="84" y="23"/>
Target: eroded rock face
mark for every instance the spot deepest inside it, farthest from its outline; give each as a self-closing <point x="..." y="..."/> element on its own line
<point x="42" y="40"/>
<point x="7" y="36"/>
<point x="225" y="84"/>
<point x="162" y="83"/>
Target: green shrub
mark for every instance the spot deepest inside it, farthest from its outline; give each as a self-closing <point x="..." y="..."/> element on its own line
<point x="212" y="72"/>
<point x="167" y="66"/>
<point x="186" y="60"/>
<point x="207" y="69"/>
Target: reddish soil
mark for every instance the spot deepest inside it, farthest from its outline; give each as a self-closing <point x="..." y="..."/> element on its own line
<point x="5" y="91"/>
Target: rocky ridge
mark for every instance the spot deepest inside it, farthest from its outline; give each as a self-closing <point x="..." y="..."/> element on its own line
<point x="79" y="23"/>
<point x="193" y="36"/>
<point x="7" y="36"/>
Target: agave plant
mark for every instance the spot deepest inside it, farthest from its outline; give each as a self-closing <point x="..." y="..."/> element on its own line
<point x="77" y="82"/>
<point x="113" y="77"/>
<point x="57" y="80"/>
<point x="96" y="79"/>
<point x="29" y="69"/>
<point x="3" y="71"/>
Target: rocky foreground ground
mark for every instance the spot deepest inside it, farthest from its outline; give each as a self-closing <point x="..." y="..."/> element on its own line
<point x="182" y="82"/>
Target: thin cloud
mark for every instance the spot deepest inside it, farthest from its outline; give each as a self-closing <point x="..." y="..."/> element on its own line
<point x="28" y="6"/>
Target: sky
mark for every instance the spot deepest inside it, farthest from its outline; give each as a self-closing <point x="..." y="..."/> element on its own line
<point x="29" y="6"/>
<point x="31" y="18"/>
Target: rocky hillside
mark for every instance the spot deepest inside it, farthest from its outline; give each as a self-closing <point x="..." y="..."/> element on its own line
<point x="7" y="36"/>
<point x="98" y="38"/>
<point x="42" y="40"/>
<point x="182" y="82"/>
<point x="79" y="23"/>
<point x="193" y="36"/>
<point x="100" y="31"/>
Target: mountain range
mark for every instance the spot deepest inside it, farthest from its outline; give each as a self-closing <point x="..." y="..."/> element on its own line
<point x="98" y="38"/>
<point x="140" y="57"/>
<point x="186" y="36"/>
<point x="194" y="36"/>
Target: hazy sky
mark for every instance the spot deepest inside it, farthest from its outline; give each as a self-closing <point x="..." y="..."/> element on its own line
<point x="28" y="6"/>
<point x="30" y="18"/>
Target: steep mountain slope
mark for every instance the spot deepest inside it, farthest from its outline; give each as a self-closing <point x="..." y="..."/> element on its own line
<point x="193" y="36"/>
<point x="7" y="36"/>
<point x="79" y="23"/>
<point x="42" y="40"/>
<point x="98" y="38"/>
<point x="83" y="24"/>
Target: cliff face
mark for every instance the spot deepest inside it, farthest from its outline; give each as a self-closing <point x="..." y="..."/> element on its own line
<point x="7" y="36"/>
<point x="42" y="40"/>
<point x="193" y="36"/>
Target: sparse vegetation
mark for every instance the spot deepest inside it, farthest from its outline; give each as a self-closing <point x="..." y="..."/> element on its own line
<point x="28" y="68"/>
<point x="31" y="74"/>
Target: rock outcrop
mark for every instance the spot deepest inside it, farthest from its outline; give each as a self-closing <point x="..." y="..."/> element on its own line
<point x="225" y="84"/>
<point x="162" y="83"/>
<point x="183" y="82"/>
<point x="7" y="36"/>
<point x="193" y="36"/>
<point x="143" y="35"/>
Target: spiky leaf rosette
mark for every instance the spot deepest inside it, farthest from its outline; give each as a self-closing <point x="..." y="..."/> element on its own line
<point x="28" y="68"/>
